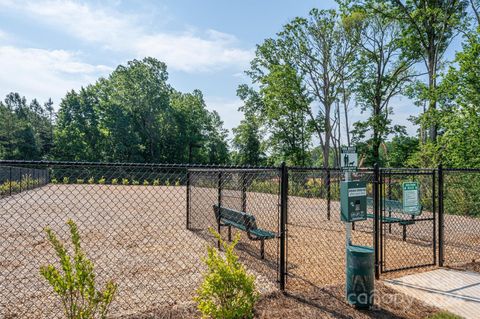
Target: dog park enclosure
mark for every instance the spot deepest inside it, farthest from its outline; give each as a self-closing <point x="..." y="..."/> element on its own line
<point x="146" y="226"/>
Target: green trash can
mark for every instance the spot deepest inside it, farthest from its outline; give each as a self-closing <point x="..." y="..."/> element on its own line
<point x="360" y="276"/>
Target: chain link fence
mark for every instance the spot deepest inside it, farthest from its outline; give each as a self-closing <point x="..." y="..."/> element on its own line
<point x="17" y="179"/>
<point x="147" y="226"/>
<point x="461" y="218"/>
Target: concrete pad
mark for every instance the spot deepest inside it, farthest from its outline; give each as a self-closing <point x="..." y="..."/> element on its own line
<point x="452" y="290"/>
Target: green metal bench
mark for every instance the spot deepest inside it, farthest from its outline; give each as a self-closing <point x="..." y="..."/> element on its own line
<point x="246" y="222"/>
<point x="394" y="206"/>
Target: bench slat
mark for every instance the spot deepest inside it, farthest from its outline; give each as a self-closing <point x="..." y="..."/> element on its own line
<point x="241" y="220"/>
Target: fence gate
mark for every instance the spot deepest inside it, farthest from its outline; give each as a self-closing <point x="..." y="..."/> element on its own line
<point x="408" y="236"/>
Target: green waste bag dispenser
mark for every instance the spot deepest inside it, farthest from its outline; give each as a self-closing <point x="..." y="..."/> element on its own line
<point x="353" y="201"/>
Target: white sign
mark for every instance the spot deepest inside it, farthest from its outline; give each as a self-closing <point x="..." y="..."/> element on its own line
<point x="411" y="201"/>
<point x="355" y="192"/>
<point x="349" y="158"/>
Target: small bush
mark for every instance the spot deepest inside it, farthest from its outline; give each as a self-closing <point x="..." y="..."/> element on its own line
<point x="91" y="180"/>
<point x="114" y="181"/>
<point x="156" y="182"/>
<point x="145" y="182"/>
<point x="74" y="283"/>
<point x="101" y="180"/>
<point x="227" y="290"/>
<point x="125" y="181"/>
<point x="167" y="182"/>
<point x="177" y="182"/>
<point x="66" y="180"/>
<point x="54" y="181"/>
<point x="80" y="181"/>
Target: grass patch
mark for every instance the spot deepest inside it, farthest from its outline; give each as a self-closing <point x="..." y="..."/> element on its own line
<point x="444" y="315"/>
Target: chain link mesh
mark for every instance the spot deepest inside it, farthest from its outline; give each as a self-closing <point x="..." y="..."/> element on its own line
<point x="147" y="226"/>
<point x="462" y="218"/>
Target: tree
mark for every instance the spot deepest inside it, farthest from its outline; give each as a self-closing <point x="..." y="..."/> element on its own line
<point x="247" y="142"/>
<point x="381" y="73"/>
<point x="320" y="50"/>
<point x="428" y="28"/>
<point x="77" y="134"/>
<point x="460" y="108"/>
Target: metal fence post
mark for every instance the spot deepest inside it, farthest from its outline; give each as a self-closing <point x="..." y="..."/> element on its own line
<point x="244" y="192"/>
<point x="441" y="220"/>
<point x="219" y="186"/>
<point x="376" y="222"/>
<point x="188" y="199"/>
<point x="328" y="195"/>
<point x="10" y="180"/>
<point x="283" y="221"/>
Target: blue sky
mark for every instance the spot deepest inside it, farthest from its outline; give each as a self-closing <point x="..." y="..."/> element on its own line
<point x="50" y="46"/>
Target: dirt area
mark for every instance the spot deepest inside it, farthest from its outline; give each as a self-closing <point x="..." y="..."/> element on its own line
<point x="327" y="302"/>
<point x="137" y="236"/>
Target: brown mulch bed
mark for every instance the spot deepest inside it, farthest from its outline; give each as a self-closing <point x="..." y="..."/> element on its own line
<point x="328" y="302"/>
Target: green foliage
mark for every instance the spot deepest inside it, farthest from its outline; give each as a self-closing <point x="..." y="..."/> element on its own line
<point x="177" y="182"/>
<point x="114" y="181"/>
<point x="125" y="181"/>
<point x="167" y="182"/>
<point x="156" y="182"/>
<point x="135" y="115"/>
<point x="443" y="315"/>
<point x="80" y="181"/>
<point x="91" y="180"/>
<point x="66" y="180"/>
<point x="227" y="291"/>
<point x="135" y="182"/>
<point x="247" y="142"/>
<point x="101" y="181"/>
<point x="54" y="181"/>
<point x="145" y="182"/>
<point x="27" y="129"/>
<point x="74" y="282"/>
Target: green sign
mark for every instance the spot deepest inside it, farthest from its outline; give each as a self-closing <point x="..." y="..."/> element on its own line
<point x="349" y="158"/>
<point x="411" y="198"/>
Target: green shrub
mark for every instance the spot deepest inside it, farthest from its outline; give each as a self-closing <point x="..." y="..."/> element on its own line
<point x="167" y="182"/>
<point x="66" y="180"/>
<point x="177" y="182"/>
<point x="74" y="283"/>
<point x="135" y="182"/>
<point x="227" y="290"/>
<point x="91" y="180"/>
<point x="114" y="181"/>
<point x="145" y="182"/>
<point x="80" y="181"/>
<point x="125" y="181"/>
<point x="54" y="181"/>
<point x="101" y="180"/>
<point x="156" y="182"/>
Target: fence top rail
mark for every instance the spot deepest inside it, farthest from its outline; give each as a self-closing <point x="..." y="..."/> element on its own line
<point x="21" y="163"/>
<point x="473" y="170"/>
<point x="235" y="169"/>
<point x="37" y="164"/>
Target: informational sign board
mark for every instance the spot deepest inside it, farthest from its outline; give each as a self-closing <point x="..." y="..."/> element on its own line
<point x="411" y="198"/>
<point x="349" y="158"/>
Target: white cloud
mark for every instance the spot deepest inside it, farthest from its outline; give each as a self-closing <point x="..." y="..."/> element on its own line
<point x="189" y="51"/>
<point x="44" y="73"/>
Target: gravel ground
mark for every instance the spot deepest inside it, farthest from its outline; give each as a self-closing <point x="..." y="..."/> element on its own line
<point x="136" y="235"/>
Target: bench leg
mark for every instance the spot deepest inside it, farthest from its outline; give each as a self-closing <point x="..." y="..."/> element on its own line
<point x="353" y="225"/>
<point x="262" y="249"/>
<point x="404" y="237"/>
<point x="229" y="233"/>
